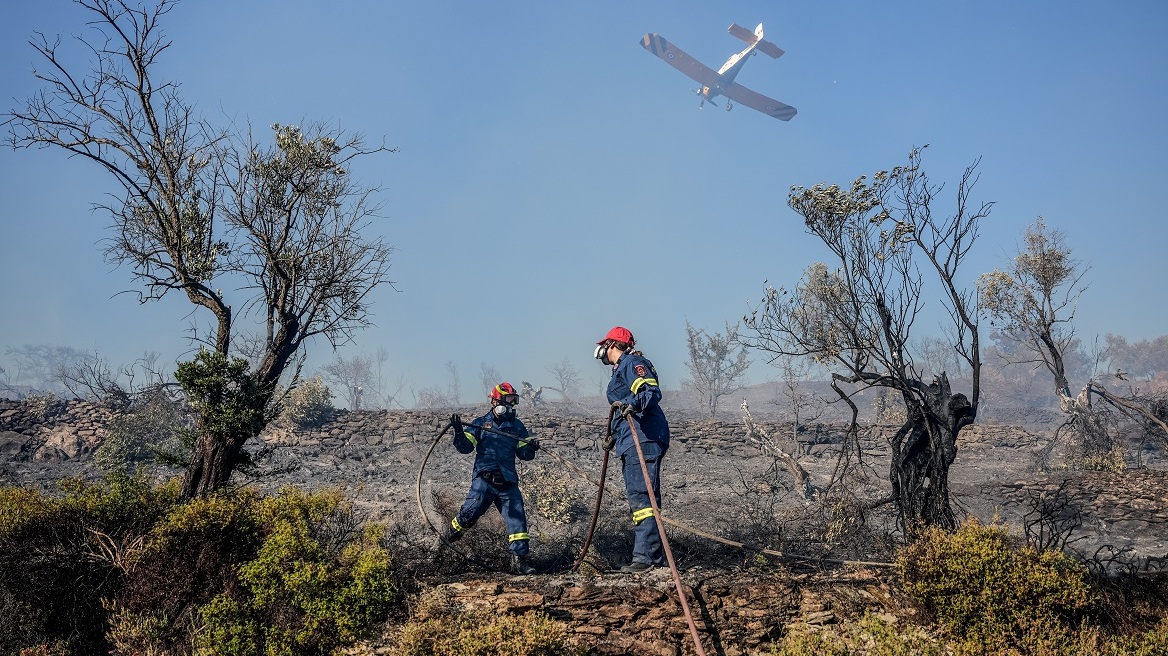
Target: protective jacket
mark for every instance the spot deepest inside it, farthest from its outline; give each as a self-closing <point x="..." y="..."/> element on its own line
<point x="494" y="452"/>
<point x="634" y="381"/>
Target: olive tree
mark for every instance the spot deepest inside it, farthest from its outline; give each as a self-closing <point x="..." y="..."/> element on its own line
<point x="1034" y="300"/>
<point x="198" y="208"/>
<point x="855" y="317"/>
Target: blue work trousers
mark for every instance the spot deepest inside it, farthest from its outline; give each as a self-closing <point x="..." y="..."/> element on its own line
<point x="508" y="500"/>
<point x="647" y="541"/>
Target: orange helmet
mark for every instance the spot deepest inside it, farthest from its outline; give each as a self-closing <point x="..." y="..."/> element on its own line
<point x="504" y="393"/>
<point x="619" y="334"/>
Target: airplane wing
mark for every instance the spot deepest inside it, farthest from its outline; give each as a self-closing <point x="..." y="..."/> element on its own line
<point x="676" y="58"/>
<point x="755" y="100"/>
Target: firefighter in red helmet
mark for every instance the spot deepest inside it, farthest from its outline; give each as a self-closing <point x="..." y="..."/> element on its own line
<point x="495" y="481"/>
<point x="635" y="391"/>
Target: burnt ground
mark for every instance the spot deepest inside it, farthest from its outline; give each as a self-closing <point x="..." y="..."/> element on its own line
<point x="734" y="492"/>
<point x="1116" y="519"/>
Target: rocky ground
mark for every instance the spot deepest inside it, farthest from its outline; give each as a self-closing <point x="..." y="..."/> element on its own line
<point x="715" y="480"/>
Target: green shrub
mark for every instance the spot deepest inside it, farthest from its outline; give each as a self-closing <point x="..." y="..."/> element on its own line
<point x="153" y="429"/>
<point x="870" y="635"/>
<point x="1104" y="461"/>
<point x="546" y="490"/>
<point x="61" y="555"/>
<point x="310" y="587"/>
<point x="192" y="555"/>
<point x="43" y="407"/>
<point x="530" y="634"/>
<point x="121" y="502"/>
<point x="1085" y="640"/>
<point x="229" y="400"/>
<point x="982" y="585"/>
<point x="121" y="566"/>
<point x="309" y="404"/>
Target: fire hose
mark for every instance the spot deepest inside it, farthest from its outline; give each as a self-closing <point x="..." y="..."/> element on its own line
<point x="422" y="510"/>
<point x="662" y="520"/>
<point x="601" y="485"/>
<point x="693" y="628"/>
<point x="599" y="494"/>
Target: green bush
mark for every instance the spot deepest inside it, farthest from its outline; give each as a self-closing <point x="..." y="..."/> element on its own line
<point x="458" y="634"/>
<point x="229" y="400"/>
<point x="153" y="429"/>
<point x="191" y="556"/>
<point x="123" y="567"/>
<point x="309" y="404"/>
<point x="61" y="555"/>
<point x="43" y="406"/>
<point x="870" y="635"/>
<point x="984" y="586"/>
<point x="546" y="490"/>
<point x="310" y="587"/>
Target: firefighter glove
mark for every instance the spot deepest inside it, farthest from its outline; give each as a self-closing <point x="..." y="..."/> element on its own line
<point x="534" y="444"/>
<point x="456" y="423"/>
<point x="608" y="442"/>
<point x="624" y="409"/>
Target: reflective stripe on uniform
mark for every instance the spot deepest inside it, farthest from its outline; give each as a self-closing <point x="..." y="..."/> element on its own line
<point x="518" y="536"/>
<point x="522" y="443"/>
<point x="642" y="514"/>
<point x="454" y="523"/>
<point x="470" y="437"/>
<point x="640" y="382"/>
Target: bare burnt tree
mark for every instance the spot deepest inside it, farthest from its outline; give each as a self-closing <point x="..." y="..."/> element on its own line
<point x="355" y="375"/>
<point x="386" y="398"/>
<point x="489" y="376"/>
<point x="779" y="455"/>
<point x="454" y="385"/>
<point x="567" y="378"/>
<point x="198" y="205"/>
<point x="856" y="319"/>
<point x="715" y="369"/>
<point x="36" y="368"/>
<point x="1053" y="517"/>
<point x="93" y="377"/>
<point x="1035" y="300"/>
<point x="805" y="405"/>
<point x="936" y="354"/>
<point x="362" y="377"/>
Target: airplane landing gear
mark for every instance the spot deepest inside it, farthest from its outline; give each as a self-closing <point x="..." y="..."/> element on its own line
<point x="729" y="106"/>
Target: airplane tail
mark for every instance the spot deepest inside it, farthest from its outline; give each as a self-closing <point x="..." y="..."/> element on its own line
<point x="755" y="37"/>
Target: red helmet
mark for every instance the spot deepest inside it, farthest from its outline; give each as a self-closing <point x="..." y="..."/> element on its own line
<point x="619" y="334"/>
<point x="502" y="391"/>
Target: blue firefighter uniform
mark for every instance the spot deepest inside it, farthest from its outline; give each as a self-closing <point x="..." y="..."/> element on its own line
<point x="495" y="481"/>
<point x="634" y="381"/>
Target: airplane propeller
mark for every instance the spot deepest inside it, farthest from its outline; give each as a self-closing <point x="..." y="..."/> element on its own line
<point x="704" y="99"/>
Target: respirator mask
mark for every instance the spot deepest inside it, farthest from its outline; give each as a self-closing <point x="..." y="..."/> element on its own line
<point x="601" y="353"/>
<point x="505" y="407"/>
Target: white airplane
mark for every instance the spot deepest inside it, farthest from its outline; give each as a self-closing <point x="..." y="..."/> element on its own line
<point x="722" y="82"/>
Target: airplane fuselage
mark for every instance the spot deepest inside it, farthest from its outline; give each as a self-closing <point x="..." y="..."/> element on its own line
<point x="728" y="72"/>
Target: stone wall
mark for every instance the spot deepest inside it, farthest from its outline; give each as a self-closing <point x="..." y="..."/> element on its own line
<point x="71" y="429"/>
<point x="51" y="431"/>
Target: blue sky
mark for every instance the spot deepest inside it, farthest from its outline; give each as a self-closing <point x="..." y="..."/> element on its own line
<point x="553" y="178"/>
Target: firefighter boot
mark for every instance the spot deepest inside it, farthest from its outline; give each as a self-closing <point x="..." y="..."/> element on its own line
<point x="452" y="534"/>
<point x="521" y="565"/>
